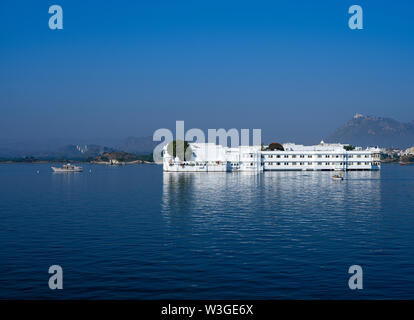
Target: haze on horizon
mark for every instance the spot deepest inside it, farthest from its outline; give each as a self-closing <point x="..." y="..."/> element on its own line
<point x="118" y="69"/>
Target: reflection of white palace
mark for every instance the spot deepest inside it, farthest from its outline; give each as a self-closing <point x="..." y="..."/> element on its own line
<point x="289" y="156"/>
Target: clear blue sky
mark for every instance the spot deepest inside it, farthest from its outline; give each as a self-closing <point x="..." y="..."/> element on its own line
<point x="120" y="68"/>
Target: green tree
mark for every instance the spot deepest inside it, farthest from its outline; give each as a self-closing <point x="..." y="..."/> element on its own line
<point x="349" y="148"/>
<point x="180" y="149"/>
<point x="276" y="146"/>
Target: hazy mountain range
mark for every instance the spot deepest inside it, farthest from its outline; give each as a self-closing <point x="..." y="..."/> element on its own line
<point x="142" y="145"/>
<point x="134" y="145"/>
<point x="360" y="131"/>
<point x="374" y="131"/>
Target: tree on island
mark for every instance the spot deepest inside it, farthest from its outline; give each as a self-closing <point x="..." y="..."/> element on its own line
<point x="276" y="146"/>
<point x="180" y="149"/>
<point x="349" y="148"/>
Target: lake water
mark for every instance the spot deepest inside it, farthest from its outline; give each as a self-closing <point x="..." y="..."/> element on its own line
<point x="134" y="232"/>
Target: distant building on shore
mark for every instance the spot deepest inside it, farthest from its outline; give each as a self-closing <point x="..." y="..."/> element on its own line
<point x="208" y="157"/>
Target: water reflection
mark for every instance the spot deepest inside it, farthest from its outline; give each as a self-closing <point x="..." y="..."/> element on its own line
<point x="270" y="194"/>
<point x="66" y="177"/>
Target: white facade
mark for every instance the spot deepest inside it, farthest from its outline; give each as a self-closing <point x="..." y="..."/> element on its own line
<point x="208" y="157"/>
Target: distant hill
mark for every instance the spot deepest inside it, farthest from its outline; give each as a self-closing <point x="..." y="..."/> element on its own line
<point x="74" y="152"/>
<point x="56" y="150"/>
<point x="141" y="145"/>
<point x="85" y="151"/>
<point x="374" y="131"/>
<point x="116" y="155"/>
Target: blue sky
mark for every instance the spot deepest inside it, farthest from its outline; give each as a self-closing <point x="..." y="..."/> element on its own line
<point x="121" y="68"/>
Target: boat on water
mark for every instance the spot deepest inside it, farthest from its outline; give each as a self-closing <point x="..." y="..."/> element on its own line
<point x="337" y="177"/>
<point x="67" y="168"/>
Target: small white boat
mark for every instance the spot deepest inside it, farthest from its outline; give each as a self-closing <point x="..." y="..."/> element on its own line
<point x="67" y="168"/>
<point x="337" y="177"/>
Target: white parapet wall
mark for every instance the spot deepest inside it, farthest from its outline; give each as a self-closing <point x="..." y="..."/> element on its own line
<point x="209" y="157"/>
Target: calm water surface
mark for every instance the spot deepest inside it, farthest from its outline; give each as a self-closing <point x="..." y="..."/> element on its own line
<point x="136" y="232"/>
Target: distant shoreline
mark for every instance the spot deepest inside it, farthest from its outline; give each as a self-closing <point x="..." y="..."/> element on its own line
<point x="107" y="158"/>
<point x="126" y="163"/>
<point x="396" y="161"/>
<point x="74" y="161"/>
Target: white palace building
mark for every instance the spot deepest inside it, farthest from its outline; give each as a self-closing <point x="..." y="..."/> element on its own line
<point x="209" y="157"/>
